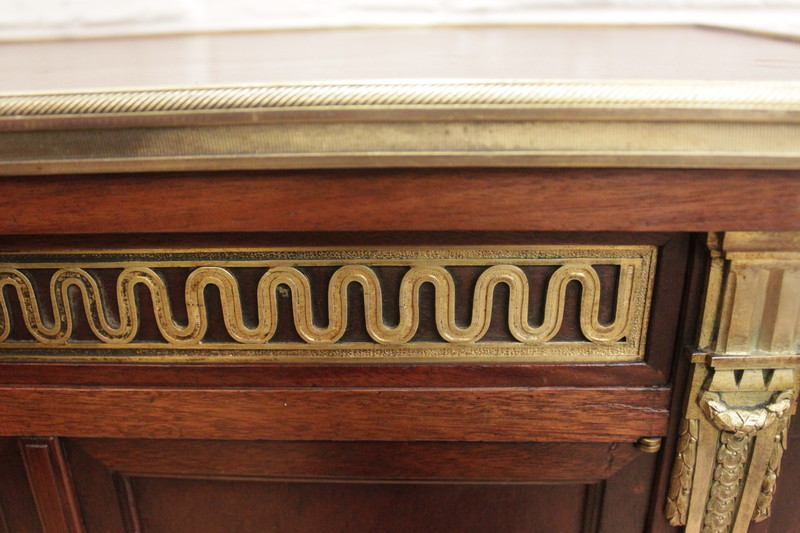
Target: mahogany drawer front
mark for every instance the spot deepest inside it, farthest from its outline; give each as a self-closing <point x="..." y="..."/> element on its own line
<point x="475" y="299"/>
<point x="433" y="337"/>
<point x="486" y="304"/>
<point x="159" y="432"/>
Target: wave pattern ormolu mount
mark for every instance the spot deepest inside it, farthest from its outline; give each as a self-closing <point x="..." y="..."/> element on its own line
<point x="558" y="302"/>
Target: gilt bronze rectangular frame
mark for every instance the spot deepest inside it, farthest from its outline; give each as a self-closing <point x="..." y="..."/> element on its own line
<point x="502" y="262"/>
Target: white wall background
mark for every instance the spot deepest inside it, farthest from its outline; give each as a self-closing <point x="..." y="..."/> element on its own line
<point x="35" y="19"/>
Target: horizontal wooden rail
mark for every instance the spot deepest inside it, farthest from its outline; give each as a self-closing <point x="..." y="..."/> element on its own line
<point x="388" y="414"/>
<point x="403" y="200"/>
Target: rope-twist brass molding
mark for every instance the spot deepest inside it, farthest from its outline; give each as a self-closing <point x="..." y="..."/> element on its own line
<point x="454" y="95"/>
<point x="195" y="329"/>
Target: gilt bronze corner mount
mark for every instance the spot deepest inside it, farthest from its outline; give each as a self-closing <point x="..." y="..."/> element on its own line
<point x="743" y="387"/>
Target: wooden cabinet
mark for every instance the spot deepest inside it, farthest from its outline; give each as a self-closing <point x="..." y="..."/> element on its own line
<point x="399" y="305"/>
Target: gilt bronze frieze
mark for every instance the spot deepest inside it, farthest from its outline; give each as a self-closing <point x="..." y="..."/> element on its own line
<point x="544" y="303"/>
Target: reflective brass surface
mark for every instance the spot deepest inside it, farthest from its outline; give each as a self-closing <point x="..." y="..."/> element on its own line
<point x="744" y="385"/>
<point x="104" y="291"/>
<point x="768" y="485"/>
<point x="639" y="98"/>
<point x="682" y="473"/>
<point x="548" y="123"/>
<point x="649" y="444"/>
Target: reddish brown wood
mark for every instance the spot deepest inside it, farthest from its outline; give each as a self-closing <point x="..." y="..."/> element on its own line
<point x="105" y="400"/>
<point x="408" y="461"/>
<point x="100" y="494"/>
<point x="130" y="509"/>
<point x="593" y="507"/>
<point x="16" y="500"/>
<point x="655" y="371"/>
<point x="148" y="472"/>
<point x="185" y="505"/>
<point x="690" y="319"/>
<point x="252" y="240"/>
<point x="51" y="482"/>
<point x="404" y="200"/>
<point x="110" y="473"/>
<point x="627" y="495"/>
<point x="3" y="525"/>
<point x="327" y="375"/>
<point x="668" y="302"/>
<point x="541" y="415"/>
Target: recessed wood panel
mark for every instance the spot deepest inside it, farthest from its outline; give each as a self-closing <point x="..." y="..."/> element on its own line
<point x="188" y="506"/>
<point x="556" y="462"/>
<point x="243" y="486"/>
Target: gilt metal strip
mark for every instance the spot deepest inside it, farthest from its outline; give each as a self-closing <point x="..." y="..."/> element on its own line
<point x="468" y="123"/>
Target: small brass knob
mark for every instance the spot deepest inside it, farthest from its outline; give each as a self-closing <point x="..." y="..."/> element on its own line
<point x="649" y="444"/>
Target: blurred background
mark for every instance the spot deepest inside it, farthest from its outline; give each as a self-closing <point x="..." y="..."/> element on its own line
<point x="55" y="19"/>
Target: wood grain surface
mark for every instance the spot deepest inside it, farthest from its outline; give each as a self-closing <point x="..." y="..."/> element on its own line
<point x="690" y="322"/>
<point x="259" y="484"/>
<point x="17" y="504"/>
<point x="404" y="200"/>
<point x="328" y="375"/>
<point x="221" y="506"/>
<point x="401" y="462"/>
<point x="492" y="415"/>
<point x="51" y="483"/>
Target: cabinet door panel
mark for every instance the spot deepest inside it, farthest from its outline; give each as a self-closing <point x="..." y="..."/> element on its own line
<point x="174" y="486"/>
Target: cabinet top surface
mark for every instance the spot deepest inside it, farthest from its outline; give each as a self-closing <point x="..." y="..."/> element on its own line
<point x="655" y="96"/>
<point x="534" y="53"/>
